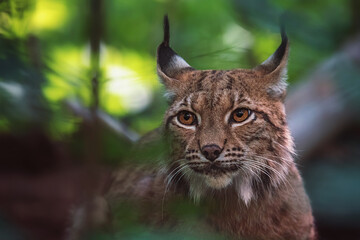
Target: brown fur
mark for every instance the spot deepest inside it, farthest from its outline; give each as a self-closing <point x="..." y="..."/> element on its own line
<point x="253" y="190"/>
<point x="279" y="208"/>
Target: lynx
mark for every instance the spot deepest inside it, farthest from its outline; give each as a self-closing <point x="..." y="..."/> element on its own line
<point x="228" y="148"/>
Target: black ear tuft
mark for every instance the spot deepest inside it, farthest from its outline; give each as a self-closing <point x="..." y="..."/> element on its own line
<point x="280" y="53"/>
<point x="169" y="62"/>
<point x="166" y="31"/>
<point x="165" y="53"/>
<point x="275" y="68"/>
<point x="278" y="58"/>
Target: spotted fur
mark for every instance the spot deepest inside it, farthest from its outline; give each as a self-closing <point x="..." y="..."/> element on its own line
<point x="253" y="188"/>
<point x="260" y="149"/>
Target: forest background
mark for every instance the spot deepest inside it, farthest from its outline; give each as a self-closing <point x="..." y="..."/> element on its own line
<point x="78" y="86"/>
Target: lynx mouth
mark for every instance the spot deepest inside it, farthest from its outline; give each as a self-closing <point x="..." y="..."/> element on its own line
<point x="216" y="175"/>
<point x="215" y="169"/>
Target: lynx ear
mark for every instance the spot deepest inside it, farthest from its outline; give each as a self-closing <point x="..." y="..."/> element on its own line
<point x="169" y="64"/>
<point x="274" y="68"/>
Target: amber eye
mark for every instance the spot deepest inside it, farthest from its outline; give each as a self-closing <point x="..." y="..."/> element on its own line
<point x="240" y="115"/>
<point x="186" y="118"/>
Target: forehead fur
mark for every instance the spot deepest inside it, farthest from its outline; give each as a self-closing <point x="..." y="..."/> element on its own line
<point x="248" y="82"/>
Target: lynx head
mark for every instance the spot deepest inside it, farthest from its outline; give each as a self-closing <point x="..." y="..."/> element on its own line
<point x="227" y="127"/>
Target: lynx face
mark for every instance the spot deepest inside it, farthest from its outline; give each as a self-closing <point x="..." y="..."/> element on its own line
<point x="227" y="128"/>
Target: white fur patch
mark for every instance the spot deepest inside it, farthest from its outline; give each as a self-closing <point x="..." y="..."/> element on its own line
<point x="178" y="62"/>
<point x="169" y="95"/>
<point x="246" y="192"/>
<point x="197" y="189"/>
<point x="195" y="194"/>
<point x="279" y="88"/>
<point x="268" y="60"/>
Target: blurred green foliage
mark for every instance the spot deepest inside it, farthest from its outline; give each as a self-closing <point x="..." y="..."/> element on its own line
<point x="127" y="215"/>
<point x="45" y="59"/>
<point x="45" y="51"/>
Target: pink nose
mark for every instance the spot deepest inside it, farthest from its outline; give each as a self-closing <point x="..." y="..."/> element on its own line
<point x="211" y="151"/>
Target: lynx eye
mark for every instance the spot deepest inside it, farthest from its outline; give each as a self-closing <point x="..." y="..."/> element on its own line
<point x="240" y="115"/>
<point x="186" y="118"/>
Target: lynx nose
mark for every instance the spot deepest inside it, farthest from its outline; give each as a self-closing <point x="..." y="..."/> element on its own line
<point x="211" y="151"/>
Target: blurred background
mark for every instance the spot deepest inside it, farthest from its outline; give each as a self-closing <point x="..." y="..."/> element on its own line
<point x="78" y="86"/>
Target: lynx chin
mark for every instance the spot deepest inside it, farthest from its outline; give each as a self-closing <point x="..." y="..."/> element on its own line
<point x="227" y="147"/>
